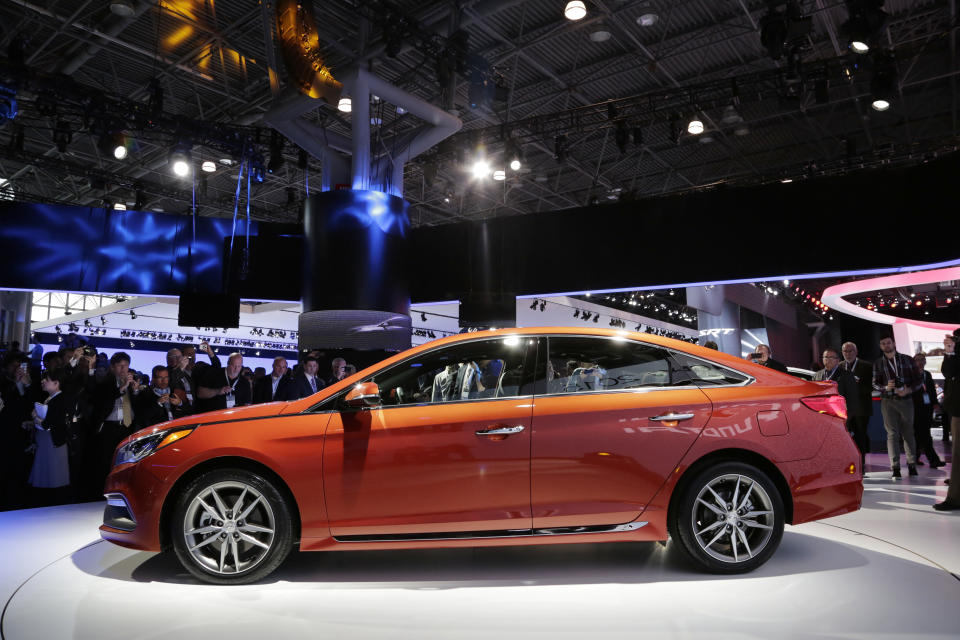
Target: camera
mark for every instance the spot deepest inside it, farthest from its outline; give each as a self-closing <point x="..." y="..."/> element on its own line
<point x="756" y="356"/>
<point x="89" y="350"/>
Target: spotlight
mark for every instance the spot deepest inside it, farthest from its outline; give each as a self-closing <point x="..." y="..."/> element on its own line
<point x="575" y="10"/>
<point x="180" y="160"/>
<point x="119" y="206"/>
<point x="648" y="20"/>
<point x="62" y="135"/>
<point x="543" y="305"/>
<point x="480" y="169"/>
<point x="515" y="164"/>
<point x="345" y="105"/>
<point x="533" y="305"/>
<point x="208" y="166"/>
<point x="883" y="84"/>
<point x="621" y="136"/>
<point x="695" y="126"/>
<point x="596" y="317"/>
<point x="103" y="320"/>
<point x="114" y="143"/>
<point x="560" y="148"/>
<point x="423" y="317"/>
<point x="133" y="315"/>
<point x="866" y="20"/>
<point x="499" y="175"/>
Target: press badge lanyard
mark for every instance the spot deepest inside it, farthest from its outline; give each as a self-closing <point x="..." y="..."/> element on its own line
<point x="896" y="369"/>
<point x="231" y="399"/>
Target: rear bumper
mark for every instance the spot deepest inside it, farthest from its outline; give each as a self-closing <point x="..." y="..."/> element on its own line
<point x="823" y="485"/>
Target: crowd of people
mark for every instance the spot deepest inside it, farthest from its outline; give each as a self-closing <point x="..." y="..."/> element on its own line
<point x="61" y="422"/>
<point x="908" y="398"/>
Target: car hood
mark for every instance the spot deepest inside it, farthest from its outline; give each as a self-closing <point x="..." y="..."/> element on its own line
<point x="223" y="415"/>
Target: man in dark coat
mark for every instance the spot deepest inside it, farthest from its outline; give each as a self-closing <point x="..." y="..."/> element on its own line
<point x="158" y="403"/>
<point x="224" y="388"/>
<point x="923" y="401"/>
<point x="951" y="404"/>
<point x="860" y="404"/>
<point x="306" y="382"/>
<point x="274" y="386"/>
<point x="114" y="415"/>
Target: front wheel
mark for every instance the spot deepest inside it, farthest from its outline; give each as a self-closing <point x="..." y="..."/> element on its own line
<point x="231" y="526"/>
<point x="729" y="518"/>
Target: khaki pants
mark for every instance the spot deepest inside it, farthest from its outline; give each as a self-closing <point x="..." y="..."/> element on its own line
<point x="898" y="422"/>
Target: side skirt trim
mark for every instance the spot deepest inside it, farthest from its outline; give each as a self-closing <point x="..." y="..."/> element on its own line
<point x="508" y="533"/>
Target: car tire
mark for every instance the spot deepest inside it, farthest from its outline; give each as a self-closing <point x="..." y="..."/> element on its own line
<point x="231" y="526"/>
<point x="729" y="518"/>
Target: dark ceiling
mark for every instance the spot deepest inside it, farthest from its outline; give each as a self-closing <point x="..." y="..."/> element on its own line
<point x="805" y="114"/>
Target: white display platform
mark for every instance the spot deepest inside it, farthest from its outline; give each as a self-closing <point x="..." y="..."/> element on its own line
<point x="889" y="570"/>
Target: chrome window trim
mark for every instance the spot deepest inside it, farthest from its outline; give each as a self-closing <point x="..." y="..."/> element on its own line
<point x="750" y="379"/>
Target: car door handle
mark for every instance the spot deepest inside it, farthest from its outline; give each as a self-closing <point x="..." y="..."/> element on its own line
<point x="500" y="431"/>
<point x="672" y="417"/>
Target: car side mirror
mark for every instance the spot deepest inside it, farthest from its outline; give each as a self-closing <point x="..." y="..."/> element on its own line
<point x="365" y="394"/>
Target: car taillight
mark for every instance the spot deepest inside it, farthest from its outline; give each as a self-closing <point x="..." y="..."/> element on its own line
<point x="832" y="405"/>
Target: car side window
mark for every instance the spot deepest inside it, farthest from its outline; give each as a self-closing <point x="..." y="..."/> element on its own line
<point x="704" y="373"/>
<point x="494" y="368"/>
<point x="580" y="365"/>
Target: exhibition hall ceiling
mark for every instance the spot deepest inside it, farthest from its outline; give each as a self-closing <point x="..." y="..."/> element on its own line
<point x="598" y="109"/>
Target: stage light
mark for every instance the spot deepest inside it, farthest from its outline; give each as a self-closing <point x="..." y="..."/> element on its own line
<point x="119" y="206"/>
<point x="515" y="164"/>
<point x="499" y="175"/>
<point x="480" y="169"/>
<point x="880" y="104"/>
<point x="575" y="10"/>
<point x="208" y="166"/>
<point x="858" y="46"/>
<point x="533" y="305"/>
<point x="883" y="84"/>
<point x="648" y="20"/>
<point x="180" y="160"/>
<point x="345" y="105"/>
<point x="695" y="127"/>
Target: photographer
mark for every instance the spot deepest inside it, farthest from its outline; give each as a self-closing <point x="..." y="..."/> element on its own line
<point x="951" y="404"/>
<point x="896" y="377"/>
<point x="761" y="356"/>
<point x="162" y="404"/>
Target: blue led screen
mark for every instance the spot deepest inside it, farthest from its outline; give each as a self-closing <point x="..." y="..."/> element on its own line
<point x="56" y="247"/>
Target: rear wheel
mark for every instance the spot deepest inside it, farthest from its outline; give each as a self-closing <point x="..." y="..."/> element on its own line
<point x="231" y="526"/>
<point x="729" y="518"/>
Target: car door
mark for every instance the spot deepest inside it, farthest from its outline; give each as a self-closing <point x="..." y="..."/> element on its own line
<point x="447" y="451"/>
<point x="611" y="421"/>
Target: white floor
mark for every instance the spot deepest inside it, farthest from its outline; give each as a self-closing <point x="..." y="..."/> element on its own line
<point x="889" y="570"/>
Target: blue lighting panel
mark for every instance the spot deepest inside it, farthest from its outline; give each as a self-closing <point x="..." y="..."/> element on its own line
<point x="54" y="247"/>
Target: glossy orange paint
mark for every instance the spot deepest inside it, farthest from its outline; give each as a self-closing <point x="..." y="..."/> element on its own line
<point x="580" y="460"/>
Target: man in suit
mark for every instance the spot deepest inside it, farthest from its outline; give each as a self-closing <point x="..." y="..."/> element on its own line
<point x="860" y="404"/>
<point x="923" y="401"/>
<point x="274" y="386"/>
<point x="224" y="388"/>
<point x="306" y="382"/>
<point x="113" y="413"/>
<point x="159" y="403"/>
<point x="950" y="368"/>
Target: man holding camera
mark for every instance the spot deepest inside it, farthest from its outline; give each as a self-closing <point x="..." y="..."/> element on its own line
<point x="160" y="403"/>
<point x="762" y="357"/>
<point x="896" y="377"/>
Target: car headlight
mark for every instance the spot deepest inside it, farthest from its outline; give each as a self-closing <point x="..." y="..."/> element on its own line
<point x="143" y="446"/>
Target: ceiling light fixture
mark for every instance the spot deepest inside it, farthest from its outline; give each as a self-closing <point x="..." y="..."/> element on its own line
<point x="208" y="166"/>
<point x="695" y="127"/>
<point x="180" y="160"/>
<point x="345" y="105"/>
<point x="648" y="20"/>
<point x="575" y="10"/>
<point x="480" y="169"/>
<point x="600" y="35"/>
<point x="499" y="175"/>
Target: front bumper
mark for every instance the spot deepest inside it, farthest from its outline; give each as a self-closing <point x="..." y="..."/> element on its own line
<point x="131" y="517"/>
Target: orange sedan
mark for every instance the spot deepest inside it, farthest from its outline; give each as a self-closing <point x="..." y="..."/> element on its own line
<point x="517" y="436"/>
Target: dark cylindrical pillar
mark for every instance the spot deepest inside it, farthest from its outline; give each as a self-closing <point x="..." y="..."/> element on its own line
<point x="355" y="287"/>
